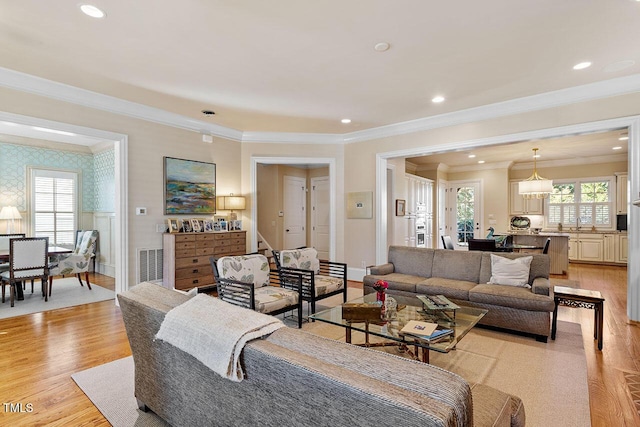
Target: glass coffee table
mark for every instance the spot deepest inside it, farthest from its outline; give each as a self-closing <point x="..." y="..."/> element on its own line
<point x="392" y="321"/>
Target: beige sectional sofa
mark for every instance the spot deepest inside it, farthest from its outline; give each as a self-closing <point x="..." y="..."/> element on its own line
<point x="294" y="378"/>
<point x="463" y="276"/>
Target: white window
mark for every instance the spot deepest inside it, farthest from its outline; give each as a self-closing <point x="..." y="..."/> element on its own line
<point x="582" y="202"/>
<point x="54" y="202"/>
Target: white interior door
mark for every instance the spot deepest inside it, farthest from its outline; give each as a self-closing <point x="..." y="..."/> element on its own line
<point x="295" y="212"/>
<point x="320" y="225"/>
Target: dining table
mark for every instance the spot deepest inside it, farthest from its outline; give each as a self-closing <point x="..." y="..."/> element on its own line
<point x="53" y="252"/>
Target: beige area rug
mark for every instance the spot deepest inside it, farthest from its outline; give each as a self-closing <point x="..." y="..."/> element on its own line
<point x="66" y="292"/>
<point x="550" y="378"/>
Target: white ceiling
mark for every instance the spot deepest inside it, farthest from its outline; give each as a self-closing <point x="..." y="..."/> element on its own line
<point x="570" y="149"/>
<point x="298" y="66"/>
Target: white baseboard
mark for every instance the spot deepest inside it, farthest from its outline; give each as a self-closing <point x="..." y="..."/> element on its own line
<point x="107" y="270"/>
<point x="356" y="273"/>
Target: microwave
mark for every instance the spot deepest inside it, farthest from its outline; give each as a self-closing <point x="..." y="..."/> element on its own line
<point x="621" y="222"/>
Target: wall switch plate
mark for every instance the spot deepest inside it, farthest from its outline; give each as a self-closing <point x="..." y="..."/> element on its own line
<point x="141" y="211"/>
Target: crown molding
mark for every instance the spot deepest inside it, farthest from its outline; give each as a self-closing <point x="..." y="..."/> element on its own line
<point x="63" y="92"/>
<point x="47" y="88"/>
<point x="572" y="95"/>
<point x="292" y="138"/>
<point x="480" y="167"/>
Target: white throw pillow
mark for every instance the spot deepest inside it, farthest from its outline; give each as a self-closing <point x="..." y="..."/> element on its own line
<point x="512" y="272"/>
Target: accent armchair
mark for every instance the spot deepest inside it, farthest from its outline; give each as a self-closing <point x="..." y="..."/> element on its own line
<point x="320" y="278"/>
<point x="248" y="281"/>
<point x="78" y="261"/>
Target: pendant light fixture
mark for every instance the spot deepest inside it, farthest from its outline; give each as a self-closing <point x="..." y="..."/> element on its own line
<point x="535" y="187"/>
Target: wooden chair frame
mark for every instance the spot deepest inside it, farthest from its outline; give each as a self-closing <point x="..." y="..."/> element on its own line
<point x="243" y="293"/>
<point x="13" y="280"/>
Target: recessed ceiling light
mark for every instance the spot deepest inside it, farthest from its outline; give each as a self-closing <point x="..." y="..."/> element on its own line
<point x="437" y="99"/>
<point x="382" y="47"/>
<point x="59" y="132"/>
<point x="624" y="138"/>
<point x="472" y="156"/>
<point x="346" y="121"/>
<point x="481" y="161"/>
<point x="582" y="65"/>
<point x="92" y="11"/>
<point x="618" y="147"/>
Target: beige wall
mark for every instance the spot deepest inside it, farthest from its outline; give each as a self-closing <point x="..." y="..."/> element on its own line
<point x="148" y="143"/>
<point x="355" y="162"/>
<point x="573" y="171"/>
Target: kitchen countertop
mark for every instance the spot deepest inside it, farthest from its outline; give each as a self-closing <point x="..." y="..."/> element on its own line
<point x="560" y="233"/>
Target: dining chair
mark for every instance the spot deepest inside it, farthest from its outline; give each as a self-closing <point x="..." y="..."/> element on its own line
<point x="487" y="245"/>
<point x="4" y="246"/>
<point x="78" y="261"/>
<point x="545" y="250"/>
<point x="27" y="260"/>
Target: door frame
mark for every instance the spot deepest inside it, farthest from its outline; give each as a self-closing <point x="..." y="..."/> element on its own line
<point x="633" y="159"/>
<point x="478" y="207"/>
<point x="120" y="145"/>
<point x="329" y="161"/>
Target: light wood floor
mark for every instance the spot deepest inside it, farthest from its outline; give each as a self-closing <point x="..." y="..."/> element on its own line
<point x="39" y="352"/>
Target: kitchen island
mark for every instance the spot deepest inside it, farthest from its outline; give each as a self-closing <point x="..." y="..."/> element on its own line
<point x="558" y="247"/>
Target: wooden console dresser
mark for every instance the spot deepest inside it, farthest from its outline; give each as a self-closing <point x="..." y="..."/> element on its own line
<point x="186" y="256"/>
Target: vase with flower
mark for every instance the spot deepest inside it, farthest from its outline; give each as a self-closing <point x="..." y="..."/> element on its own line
<point x="380" y="287"/>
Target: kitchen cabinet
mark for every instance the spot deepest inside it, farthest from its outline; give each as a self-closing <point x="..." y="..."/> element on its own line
<point x="622" y="244"/>
<point x="621" y="193"/>
<point x="609" y="247"/>
<point x="597" y="247"/>
<point x="518" y="205"/>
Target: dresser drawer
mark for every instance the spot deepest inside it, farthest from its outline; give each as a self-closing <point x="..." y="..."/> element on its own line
<point x="205" y="251"/>
<point x="191" y="262"/>
<point x="184" y="253"/>
<point x="185" y="245"/>
<point x="205" y="237"/>
<point x="236" y="242"/>
<point x="202" y="270"/>
<point x="236" y="235"/>
<point x="185" y="238"/>
<point x="193" y="282"/>
<point x="220" y="236"/>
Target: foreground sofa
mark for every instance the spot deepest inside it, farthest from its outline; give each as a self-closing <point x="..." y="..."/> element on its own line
<point x="463" y="276"/>
<point x="294" y="378"/>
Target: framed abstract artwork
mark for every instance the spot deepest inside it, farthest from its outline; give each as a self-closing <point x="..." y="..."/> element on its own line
<point x="189" y="187"/>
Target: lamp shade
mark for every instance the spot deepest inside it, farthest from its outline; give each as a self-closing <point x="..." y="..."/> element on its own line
<point x="535" y="188"/>
<point x="10" y="212"/>
<point x="231" y="203"/>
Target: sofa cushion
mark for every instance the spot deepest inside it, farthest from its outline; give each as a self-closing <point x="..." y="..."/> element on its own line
<point x="304" y="259"/>
<point x="540" y="265"/>
<point x="396" y="281"/>
<point x="510" y="296"/>
<point x="327" y="284"/>
<point x="458" y="265"/>
<point x="411" y="261"/>
<point x="450" y="288"/>
<point x="252" y="268"/>
<point x="512" y="272"/>
<point x="271" y="298"/>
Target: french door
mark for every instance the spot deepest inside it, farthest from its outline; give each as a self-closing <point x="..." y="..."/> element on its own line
<point x="464" y="209"/>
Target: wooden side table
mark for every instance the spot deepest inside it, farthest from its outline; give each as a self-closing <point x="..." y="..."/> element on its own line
<point x="580" y="298"/>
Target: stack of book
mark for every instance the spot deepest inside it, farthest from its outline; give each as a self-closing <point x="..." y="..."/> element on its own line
<point x="425" y="331"/>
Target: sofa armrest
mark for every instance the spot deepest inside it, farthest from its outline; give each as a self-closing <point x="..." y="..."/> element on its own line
<point x="541" y="286"/>
<point x="382" y="269"/>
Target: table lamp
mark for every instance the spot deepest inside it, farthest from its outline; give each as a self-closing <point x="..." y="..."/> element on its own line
<point x="231" y="202"/>
<point x="10" y="213"/>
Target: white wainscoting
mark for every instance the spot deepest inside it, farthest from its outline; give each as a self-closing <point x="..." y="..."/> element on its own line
<point x="105" y="223"/>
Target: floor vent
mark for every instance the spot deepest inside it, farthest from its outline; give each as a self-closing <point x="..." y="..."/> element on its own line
<point x="149" y="265"/>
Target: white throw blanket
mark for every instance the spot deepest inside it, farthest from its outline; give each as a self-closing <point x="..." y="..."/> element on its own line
<point x="215" y="332"/>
